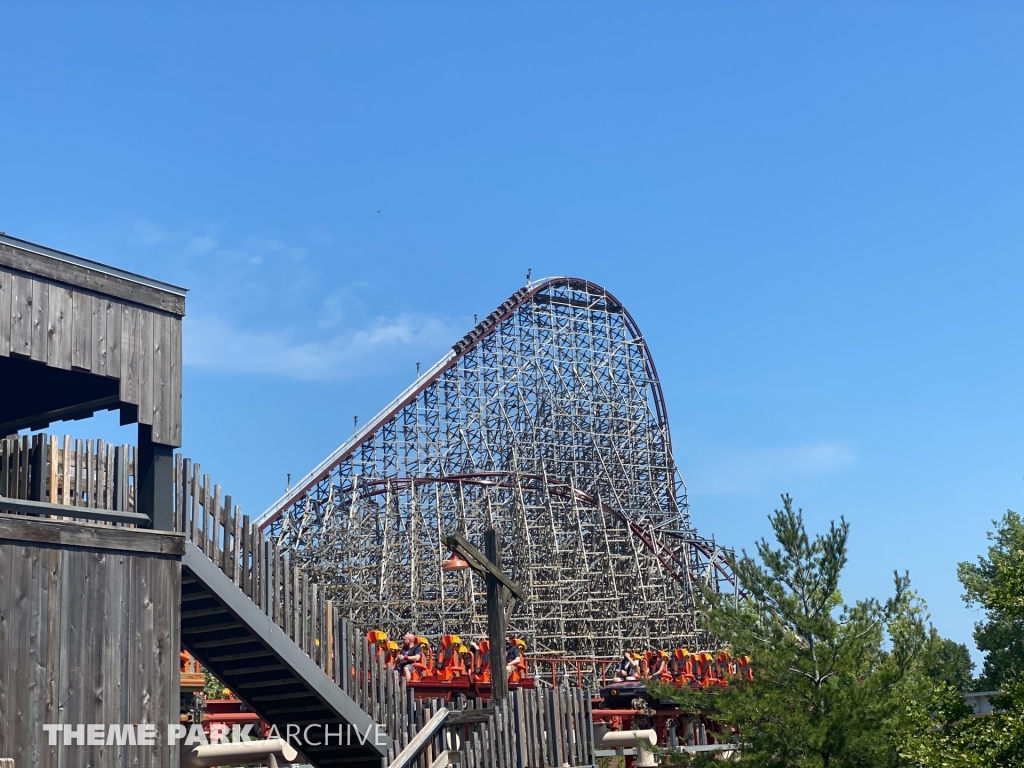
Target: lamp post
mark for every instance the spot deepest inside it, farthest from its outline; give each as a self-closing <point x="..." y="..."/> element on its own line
<point x="488" y="565"/>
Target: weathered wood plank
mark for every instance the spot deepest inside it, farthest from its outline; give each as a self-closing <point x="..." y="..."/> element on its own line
<point x="131" y="321"/>
<point x="54" y="634"/>
<point x="5" y="312"/>
<point x="113" y="337"/>
<point x="110" y="483"/>
<point x="154" y="595"/>
<point x="236" y="546"/>
<point x="101" y="473"/>
<point x="112" y="604"/>
<point x="160" y="378"/>
<point x="207" y="501"/>
<point x="24" y="466"/>
<point x="40" y="321"/>
<point x="99" y="335"/>
<point x="74" y="534"/>
<point x="174" y="360"/>
<point x="65" y="472"/>
<point x="246" y="557"/>
<point x="194" y="496"/>
<point x="121" y="478"/>
<point x="21" y="316"/>
<point x="29" y="587"/>
<point x="6" y="655"/>
<point x="214" y="519"/>
<point x="81" y="320"/>
<point x="52" y="470"/>
<point x="77" y="597"/>
<point x="181" y="484"/>
<point x="227" y="546"/>
<point x="90" y="475"/>
<point x="274" y="610"/>
<point x="61" y="310"/>
<point x="289" y="604"/>
<point x="146" y="394"/>
<point x="79" y="474"/>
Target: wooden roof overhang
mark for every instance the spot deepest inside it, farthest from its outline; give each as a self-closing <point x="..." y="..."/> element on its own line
<point x="77" y="337"/>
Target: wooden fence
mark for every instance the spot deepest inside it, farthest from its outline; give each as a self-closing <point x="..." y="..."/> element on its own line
<point x="77" y="473"/>
<point x="531" y="729"/>
<point x="253" y="562"/>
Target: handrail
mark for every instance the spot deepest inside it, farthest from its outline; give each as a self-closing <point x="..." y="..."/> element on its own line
<point x="421" y="739"/>
<point x="42" y="508"/>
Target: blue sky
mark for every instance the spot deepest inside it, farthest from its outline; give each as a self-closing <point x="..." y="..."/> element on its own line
<point x="814" y="211"/>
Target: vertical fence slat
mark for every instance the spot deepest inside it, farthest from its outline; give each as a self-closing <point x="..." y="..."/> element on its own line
<point x="52" y="493"/>
<point x="108" y="486"/>
<point x="194" y="500"/>
<point x="246" y="557"/>
<point x="224" y="516"/>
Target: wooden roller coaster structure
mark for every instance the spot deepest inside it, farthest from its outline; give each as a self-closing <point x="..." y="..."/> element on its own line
<point x="547" y="422"/>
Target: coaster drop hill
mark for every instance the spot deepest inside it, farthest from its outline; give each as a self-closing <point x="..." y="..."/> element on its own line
<point x="547" y="422"/>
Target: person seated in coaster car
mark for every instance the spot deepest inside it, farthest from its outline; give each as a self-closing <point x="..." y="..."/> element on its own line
<point x="515" y="660"/>
<point x="410" y="654"/>
<point x="629" y="667"/>
<point x="658" y="667"/>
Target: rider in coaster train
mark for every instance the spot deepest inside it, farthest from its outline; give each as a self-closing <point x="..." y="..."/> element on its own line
<point x="410" y="653"/>
<point x="512" y="654"/>
<point x="629" y="667"/>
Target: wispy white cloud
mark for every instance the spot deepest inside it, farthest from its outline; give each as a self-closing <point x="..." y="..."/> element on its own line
<point x="214" y="344"/>
<point x="202" y="244"/>
<point x="771" y="470"/>
<point x="261" y="305"/>
<point x="150" y="233"/>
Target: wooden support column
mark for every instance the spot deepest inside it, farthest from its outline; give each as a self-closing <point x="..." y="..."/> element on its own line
<point x="154" y="492"/>
<point x="496" y="618"/>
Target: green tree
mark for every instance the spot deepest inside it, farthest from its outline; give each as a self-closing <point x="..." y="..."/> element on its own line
<point x="950" y="662"/>
<point x="943" y="737"/>
<point x="830" y="679"/>
<point x="996" y="584"/>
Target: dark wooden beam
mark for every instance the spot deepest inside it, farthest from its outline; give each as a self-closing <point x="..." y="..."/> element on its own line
<point x="496" y="618"/>
<point x="71" y="534"/>
<point x="481" y="564"/>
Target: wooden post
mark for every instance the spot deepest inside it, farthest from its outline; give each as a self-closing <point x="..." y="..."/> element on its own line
<point x="496" y="619"/>
<point x="154" y="494"/>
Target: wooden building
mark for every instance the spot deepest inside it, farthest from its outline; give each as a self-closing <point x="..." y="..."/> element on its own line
<point x="89" y="634"/>
<point x="77" y="337"/>
<point x="90" y="613"/>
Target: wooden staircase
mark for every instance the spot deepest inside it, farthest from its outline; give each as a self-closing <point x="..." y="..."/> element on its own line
<point x="243" y="647"/>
